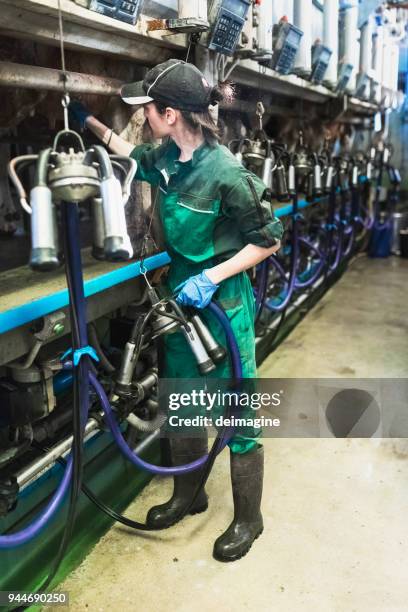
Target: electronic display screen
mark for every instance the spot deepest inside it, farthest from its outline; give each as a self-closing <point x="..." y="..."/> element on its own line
<point x="236" y="6"/>
<point x="324" y="56"/>
<point x="293" y="37"/>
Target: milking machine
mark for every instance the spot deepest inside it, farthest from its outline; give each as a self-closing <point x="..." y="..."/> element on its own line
<point x="66" y="175"/>
<point x="342" y="186"/>
<point x="304" y="175"/>
<point x="382" y="230"/>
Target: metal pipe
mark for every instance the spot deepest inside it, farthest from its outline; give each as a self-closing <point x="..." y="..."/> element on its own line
<point x="146" y="442"/>
<point x="330" y="38"/>
<point x="302" y="17"/>
<point x="33" y="471"/>
<point x="23" y="76"/>
<point x="378" y="42"/>
<point x="287" y="210"/>
<point x="366" y="46"/>
<point x="350" y="41"/>
<point x="36" y="469"/>
<point x="264" y="28"/>
<point x="393" y="57"/>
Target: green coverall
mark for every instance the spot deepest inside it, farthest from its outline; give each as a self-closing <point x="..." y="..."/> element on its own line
<point x="210" y="207"/>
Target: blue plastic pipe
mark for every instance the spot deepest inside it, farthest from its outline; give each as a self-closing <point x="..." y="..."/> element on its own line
<point x="36" y="527"/>
<point x="317" y="269"/>
<point x="77" y="299"/>
<point x="288" y="210"/>
<point x="287" y="296"/>
<point x="115" y="429"/>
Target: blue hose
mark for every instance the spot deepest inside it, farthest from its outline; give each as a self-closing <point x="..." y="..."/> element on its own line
<point x="36" y="527"/>
<point x="316" y="268"/>
<point x="287" y="295"/>
<point x="77" y="301"/>
<point x="114" y="427"/>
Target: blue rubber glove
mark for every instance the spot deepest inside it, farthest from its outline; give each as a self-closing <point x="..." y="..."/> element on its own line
<point x="78" y="113"/>
<point x="196" y="291"/>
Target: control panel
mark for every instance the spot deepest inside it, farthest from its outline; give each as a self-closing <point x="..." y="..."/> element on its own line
<point x="124" y="10"/>
<point x="362" y="86"/>
<point x="286" y="44"/>
<point x="320" y="61"/>
<point x="345" y="72"/>
<point x="227" y="18"/>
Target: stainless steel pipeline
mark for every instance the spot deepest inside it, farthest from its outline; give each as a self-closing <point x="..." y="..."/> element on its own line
<point x="38" y="467"/>
<point x="23" y="76"/>
<point x="146" y="442"/>
<point x="33" y="471"/>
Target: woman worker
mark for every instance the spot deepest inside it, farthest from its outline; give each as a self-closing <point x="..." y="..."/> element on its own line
<point x="217" y="224"/>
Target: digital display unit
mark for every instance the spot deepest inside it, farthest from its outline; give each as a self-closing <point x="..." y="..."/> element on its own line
<point x="320" y="62"/>
<point x="123" y="10"/>
<point x="287" y="39"/>
<point x="345" y="72"/>
<point x="227" y="18"/>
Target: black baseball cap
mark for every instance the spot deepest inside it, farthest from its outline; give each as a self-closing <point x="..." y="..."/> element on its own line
<point x="174" y="83"/>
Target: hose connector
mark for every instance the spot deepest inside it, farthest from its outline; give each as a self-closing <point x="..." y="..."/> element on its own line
<point x="204" y="362"/>
<point x="216" y="352"/>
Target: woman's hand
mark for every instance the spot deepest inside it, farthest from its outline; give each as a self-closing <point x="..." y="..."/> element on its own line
<point x="196" y="291"/>
<point x="246" y="258"/>
<point x="84" y="117"/>
<point x="79" y="113"/>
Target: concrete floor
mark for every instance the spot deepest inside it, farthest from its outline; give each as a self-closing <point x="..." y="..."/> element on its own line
<point x="359" y="328"/>
<point x="336" y="534"/>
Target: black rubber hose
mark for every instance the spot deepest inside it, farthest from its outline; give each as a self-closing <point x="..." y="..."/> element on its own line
<point x="216" y="447"/>
<point x="103" y="360"/>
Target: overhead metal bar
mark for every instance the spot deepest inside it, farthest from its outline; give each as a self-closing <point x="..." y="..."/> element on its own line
<point x="48" y="79"/>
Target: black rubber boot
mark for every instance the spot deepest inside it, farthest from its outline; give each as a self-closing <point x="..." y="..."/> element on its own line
<point x="247" y="525"/>
<point x="183" y="450"/>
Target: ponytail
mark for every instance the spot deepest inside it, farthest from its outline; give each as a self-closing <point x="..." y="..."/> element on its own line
<point x="223" y="92"/>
